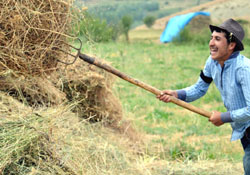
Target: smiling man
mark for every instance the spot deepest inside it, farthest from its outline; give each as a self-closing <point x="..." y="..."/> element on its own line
<point x="230" y="72"/>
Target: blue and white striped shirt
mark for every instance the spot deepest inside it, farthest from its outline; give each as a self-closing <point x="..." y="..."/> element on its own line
<point x="233" y="82"/>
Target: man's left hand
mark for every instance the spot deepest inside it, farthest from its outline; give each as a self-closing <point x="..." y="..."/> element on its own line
<point x="216" y="118"/>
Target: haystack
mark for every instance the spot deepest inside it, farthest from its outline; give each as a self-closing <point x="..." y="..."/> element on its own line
<point x="31" y="30"/>
<point x="51" y="141"/>
<point x="32" y="91"/>
<point x="199" y="23"/>
<point x="33" y="33"/>
<point x="90" y="88"/>
<point x="27" y="145"/>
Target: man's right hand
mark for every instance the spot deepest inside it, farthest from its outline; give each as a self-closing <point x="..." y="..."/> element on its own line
<point x="165" y="95"/>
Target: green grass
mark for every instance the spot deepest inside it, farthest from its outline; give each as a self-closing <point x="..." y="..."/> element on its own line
<point x="169" y="66"/>
<point x="172" y="133"/>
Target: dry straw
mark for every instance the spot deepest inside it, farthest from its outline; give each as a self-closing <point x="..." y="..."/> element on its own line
<point x="91" y="90"/>
<point x="55" y="141"/>
<point x="27" y="143"/>
<point x="199" y="23"/>
<point x="30" y="32"/>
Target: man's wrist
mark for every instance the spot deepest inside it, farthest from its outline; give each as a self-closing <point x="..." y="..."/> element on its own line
<point x="181" y="94"/>
<point x="226" y="117"/>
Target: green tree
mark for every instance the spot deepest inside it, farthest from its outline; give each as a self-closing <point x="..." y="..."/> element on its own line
<point x="126" y="25"/>
<point x="95" y="29"/>
<point x="149" y="21"/>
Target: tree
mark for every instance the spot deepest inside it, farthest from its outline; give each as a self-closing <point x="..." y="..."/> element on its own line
<point x="97" y="30"/>
<point x="149" y="21"/>
<point x="126" y="25"/>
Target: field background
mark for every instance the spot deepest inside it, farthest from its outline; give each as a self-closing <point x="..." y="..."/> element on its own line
<point x="176" y="141"/>
<point x="172" y="134"/>
<point x="152" y="138"/>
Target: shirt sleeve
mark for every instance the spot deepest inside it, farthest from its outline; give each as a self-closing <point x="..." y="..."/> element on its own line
<point x="199" y="89"/>
<point x="243" y="114"/>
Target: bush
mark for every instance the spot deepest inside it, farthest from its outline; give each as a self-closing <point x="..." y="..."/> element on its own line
<point x="184" y="36"/>
<point x="126" y="25"/>
<point x="97" y="30"/>
<point x="149" y="21"/>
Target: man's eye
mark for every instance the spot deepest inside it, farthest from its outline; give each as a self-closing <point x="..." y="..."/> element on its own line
<point x="217" y="38"/>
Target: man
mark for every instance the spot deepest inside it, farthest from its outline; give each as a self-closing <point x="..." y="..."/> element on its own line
<point x="230" y="72"/>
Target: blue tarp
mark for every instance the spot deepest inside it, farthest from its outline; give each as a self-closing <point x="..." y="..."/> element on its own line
<point x="176" y="24"/>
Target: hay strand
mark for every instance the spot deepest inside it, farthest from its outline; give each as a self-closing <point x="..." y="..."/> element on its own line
<point x="91" y="89"/>
<point x="30" y="32"/>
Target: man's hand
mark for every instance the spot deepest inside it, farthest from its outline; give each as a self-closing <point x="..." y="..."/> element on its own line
<point x="165" y="95"/>
<point x="216" y="118"/>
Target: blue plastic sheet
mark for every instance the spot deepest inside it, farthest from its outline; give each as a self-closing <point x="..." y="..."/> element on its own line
<point x="176" y="24"/>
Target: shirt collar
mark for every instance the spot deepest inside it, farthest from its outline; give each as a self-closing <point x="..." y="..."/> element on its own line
<point x="234" y="55"/>
<point x="230" y="59"/>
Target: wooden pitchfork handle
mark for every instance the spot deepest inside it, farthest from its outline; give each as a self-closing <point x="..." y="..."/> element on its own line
<point x="96" y="62"/>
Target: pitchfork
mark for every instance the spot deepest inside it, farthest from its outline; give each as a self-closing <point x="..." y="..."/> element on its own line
<point x="100" y="64"/>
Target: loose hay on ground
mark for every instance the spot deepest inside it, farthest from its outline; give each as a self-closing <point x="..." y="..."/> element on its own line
<point x="26" y="140"/>
<point x="55" y="141"/>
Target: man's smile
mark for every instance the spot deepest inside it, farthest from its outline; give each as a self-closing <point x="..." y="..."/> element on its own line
<point x="213" y="50"/>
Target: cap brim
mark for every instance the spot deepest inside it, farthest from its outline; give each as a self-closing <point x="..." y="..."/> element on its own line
<point x="239" y="45"/>
<point x="212" y="28"/>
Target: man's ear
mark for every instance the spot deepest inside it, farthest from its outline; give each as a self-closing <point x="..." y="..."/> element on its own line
<point x="232" y="45"/>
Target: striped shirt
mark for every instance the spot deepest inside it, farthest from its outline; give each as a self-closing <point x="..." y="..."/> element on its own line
<point x="233" y="82"/>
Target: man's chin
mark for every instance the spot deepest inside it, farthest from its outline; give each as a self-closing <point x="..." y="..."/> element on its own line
<point x="213" y="56"/>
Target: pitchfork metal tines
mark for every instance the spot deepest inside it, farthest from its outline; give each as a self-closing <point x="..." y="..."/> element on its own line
<point x="70" y="52"/>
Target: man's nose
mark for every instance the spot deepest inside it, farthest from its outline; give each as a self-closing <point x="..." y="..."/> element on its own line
<point x="211" y="42"/>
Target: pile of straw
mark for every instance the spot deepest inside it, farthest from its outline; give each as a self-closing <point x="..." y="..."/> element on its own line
<point x="199" y="23"/>
<point x="55" y="141"/>
<point x="33" y="33"/>
<point x="30" y="32"/>
<point x="39" y="100"/>
<point x="32" y="91"/>
<point x="27" y="145"/>
<point x="91" y="90"/>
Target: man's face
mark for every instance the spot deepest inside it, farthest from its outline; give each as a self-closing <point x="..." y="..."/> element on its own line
<point x="219" y="48"/>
